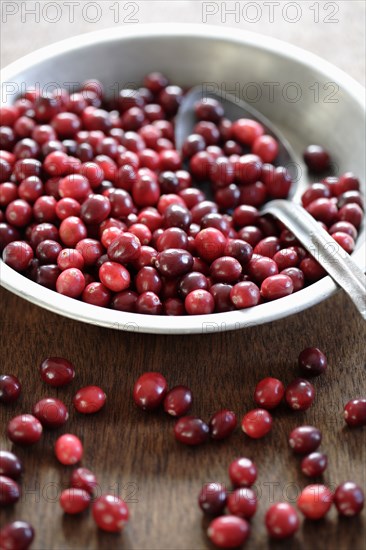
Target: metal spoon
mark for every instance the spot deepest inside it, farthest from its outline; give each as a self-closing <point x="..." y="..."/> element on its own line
<point x="330" y="255"/>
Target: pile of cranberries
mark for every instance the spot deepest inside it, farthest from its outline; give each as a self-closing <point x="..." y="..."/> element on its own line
<point x="97" y="204"/>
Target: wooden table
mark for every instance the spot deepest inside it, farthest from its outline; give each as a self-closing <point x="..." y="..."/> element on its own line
<point x="134" y="453"/>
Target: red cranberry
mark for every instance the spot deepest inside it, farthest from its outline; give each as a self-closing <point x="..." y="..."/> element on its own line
<point x="347" y="182"/>
<point x="238" y="249"/>
<point x="242" y="472"/>
<point x="47" y="251"/>
<point x="191" y="430"/>
<point x="9" y="491"/>
<point x="315" y="191"/>
<point x="276" y="286"/>
<point x="222" y="424"/>
<point x="225" y="269"/>
<point x="269" y="393"/>
<point x="145" y="191"/>
<point x="221" y="295"/>
<point x="17" y="535"/>
<point x="345" y="241"/>
<point x="178" y="401"/>
<point x="228" y="531"/>
<point x="68" y="258"/>
<point x="315" y="501"/>
<point x="349" y="499"/>
<point x="250" y="234"/>
<point x="257" y="423"/>
<point x="312" y="362"/>
<point x="281" y="520"/>
<point x="323" y="210"/>
<point x="246" y="130"/>
<point x="89" y="399"/>
<point x="351" y="213"/>
<point x="242" y="503"/>
<point x="316" y="158"/>
<point x="82" y="478"/>
<point x="57" y="371"/>
<point x="305" y="439"/>
<point x="18" y="213"/>
<point x="192" y="281"/>
<point x="125" y="248"/>
<point x="110" y="513"/>
<point x="312" y="270"/>
<point x="70" y="282"/>
<point x="212" y="498"/>
<point x="210" y="244"/>
<point x="300" y="394"/>
<point x="24" y="429"/>
<point x="148" y="303"/>
<point x="68" y="449"/>
<point x="44" y="209"/>
<point x="248" y="170"/>
<point x="51" y="412"/>
<point x="297" y="277"/>
<point x="10" y="465"/>
<point x="245" y="294"/>
<point x="355" y="413"/>
<point x="314" y="464"/>
<point x="114" y="276"/>
<point x="266" y="147"/>
<point x="209" y="109"/>
<point x="74" y="501"/>
<point x="199" y="302"/>
<point x="286" y="258"/>
<point x="96" y="294"/>
<point x="174" y="262"/>
<point x="149" y="390"/>
<point x="261" y="267"/>
<point x="10" y="388"/>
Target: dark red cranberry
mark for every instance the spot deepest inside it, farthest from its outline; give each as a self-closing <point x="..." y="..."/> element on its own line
<point x="155" y="82"/>
<point x="228" y="531"/>
<point x="312" y="362"/>
<point x="250" y="234"/>
<point x="149" y="303"/>
<point x="51" y="412"/>
<point x="209" y="109"/>
<point x="355" y="413"/>
<point x="269" y="393"/>
<point x="305" y="439"/>
<point x="221" y="295"/>
<point x="212" y="498"/>
<point x="245" y="294"/>
<point x="278" y="183"/>
<point x="178" y="401"/>
<point x="345" y="241"/>
<point x="125" y="248"/>
<point x="95" y="209"/>
<point x="149" y="390"/>
<point x="315" y="191"/>
<point x="225" y="269"/>
<point x="242" y="503"/>
<point x="10" y="388"/>
<point x="170" y="99"/>
<point x="222" y="424"/>
<point x="174" y="262"/>
<point x="347" y="182"/>
<point x="47" y="276"/>
<point x="192" y="281"/>
<point x="97" y="294"/>
<point x="125" y="301"/>
<point x="281" y="520"/>
<point x="257" y="423"/>
<point x="351" y="213"/>
<point x="57" y="371"/>
<point x="312" y="270"/>
<point x="314" y="464"/>
<point x="261" y="267"/>
<point x="300" y="394"/>
<point x="315" y="501"/>
<point x="316" y="158"/>
<point x="174" y="306"/>
<point x="89" y="399"/>
<point x="10" y="465"/>
<point x="323" y="210"/>
<point x="349" y="499"/>
<point x="242" y="472"/>
<point x="17" y="535"/>
<point x="91" y="250"/>
<point x="191" y="430"/>
<point x="194" y="143"/>
<point x="238" y="249"/>
<point x="9" y="491"/>
<point x="24" y="429"/>
<point x="297" y="277"/>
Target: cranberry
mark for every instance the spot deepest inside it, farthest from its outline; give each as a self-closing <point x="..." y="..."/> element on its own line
<point x="68" y="258"/>
<point x="246" y="131"/>
<point x="91" y="250"/>
<point x="145" y="191"/>
<point x="355" y="413"/>
<point x="323" y="210"/>
<point x="191" y="430"/>
<point x="68" y="449"/>
<point x="314" y="464"/>
<point x="51" y="412"/>
<point x="178" y="401"/>
<point x="24" y="429"/>
<point x="10" y="465"/>
<point x="269" y="393"/>
<point x="17" y="535"/>
<point x="149" y="390"/>
<point x="312" y="362"/>
<point x="349" y="499"/>
<point x="125" y="248"/>
<point x="296" y="276"/>
<point x="10" y="388"/>
<point x="225" y="269"/>
<point x="18" y="213"/>
<point x="228" y="531"/>
<point x="74" y="501"/>
<point x="199" y="302"/>
<point x="351" y="213"/>
<point x="212" y="498"/>
<point x="242" y="503"/>
<point x="82" y="478"/>
<point x="192" y="281"/>
<point x="248" y="171"/>
<point x="70" y="282"/>
<point x="315" y="501"/>
<point x="57" y="371"/>
<point x="174" y="262"/>
<point x="239" y="250"/>
<point x="281" y="520"/>
<point x="266" y="147"/>
<point x="114" y="276"/>
<point x="305" y="439"/>
<point x="221" y="295"/>
<point x="149" y="303"/>
<point x="316" y="158"/>
<point x="95" y="209"/>
<point x="276" y="286"/>
<point x="110" y="513"/>
<point x="300" y="394"/>
<point x="96" y="294"/>
<point x="209" y="109"/>
<point x="47" y="251"/>
<point x="72" y="230"/>
<point x="312" y="270"/>
<point x="89" y="399"/>
<point x="245" y="294"/>
<point x="242" y="472"/>
<point x="257" y="423"/>
<point x="44" y="209"/>
<point x="9" y="491"/>
<point x="345" y="241"/>
<point x="222" y="424"/>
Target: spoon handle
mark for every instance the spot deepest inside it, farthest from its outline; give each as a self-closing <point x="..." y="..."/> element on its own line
<point x="328" y="253"/>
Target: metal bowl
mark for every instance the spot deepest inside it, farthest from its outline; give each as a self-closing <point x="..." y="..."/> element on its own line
<point x="310" y="100"/>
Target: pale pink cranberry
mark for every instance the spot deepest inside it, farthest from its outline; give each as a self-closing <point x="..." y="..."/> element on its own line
<point x="110" y="513"/>
<point x="68" y="449"/>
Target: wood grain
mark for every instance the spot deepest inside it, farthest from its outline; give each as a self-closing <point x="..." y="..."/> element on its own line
<point x="135" y="454"/>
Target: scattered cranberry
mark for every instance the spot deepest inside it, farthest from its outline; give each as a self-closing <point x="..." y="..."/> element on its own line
<point x="355" y="413"/>
<point x="24" y="429"/>
<point x="242" y="472"/>
<point x="305" y="439"/>
<point x="10" y="388"/>
<point x="110" y="513"/>
<point x="17" y="535"/>
<point x="57" y="371"/>
<point x="269" y="393"/>
<point x="300" y="394"/>
<point x="228" y="531"/>
<point x="312" y="362"/>
<point x="9" y="491"/>
<point x="242" y="502"/>
<point x="178" y="401"/>
<point x="51" y="412"/>
<point x="191" y="430"/>
<point x="74" y="501"/>
<point x="89" y="399"/>
<point x="314" y="464"/>
<point x="10" y="465"/>
<point x="68" y="449"/>
<point x="257" y="423"/>
<point x="316" y="158"/>
<point x="315" y="501"/>
<point x="82" y="478"/>
<point x="212" y="498"/>
<point x="149" y="390"/>
<point x="222" y="424"/>
<point x="349" y="499"/>
<point x="281" y="520"/>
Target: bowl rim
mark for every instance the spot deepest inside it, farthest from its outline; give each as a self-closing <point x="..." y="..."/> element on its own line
<point x="216" y="322"/>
